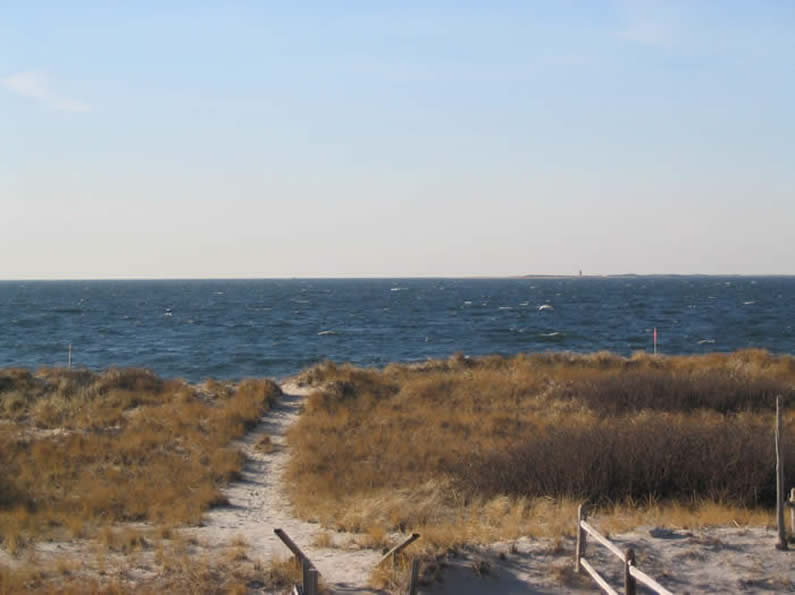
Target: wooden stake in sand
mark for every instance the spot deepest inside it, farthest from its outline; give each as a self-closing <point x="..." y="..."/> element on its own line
<point x="582" y="514"/>
<point x="782" y="530"/>
<point x="792" y="515"/>
<point x="69" y="357"/>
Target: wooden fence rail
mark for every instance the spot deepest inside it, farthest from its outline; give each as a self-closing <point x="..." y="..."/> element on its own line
<point x="398" y="548"/>
<point x="632" y="574"/>
<point x="309" y="574"/>
<point x="415" y="564"/>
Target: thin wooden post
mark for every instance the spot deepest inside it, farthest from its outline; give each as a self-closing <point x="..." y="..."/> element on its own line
<point x="69" y="357"/>
<point x="582" y="514"/>
<point x="415" y="573"/>
<point x="792" y="515"/>
<point x="309" y="578"/>
<point x="781" y="544"/>
<point x="629" y="580"/>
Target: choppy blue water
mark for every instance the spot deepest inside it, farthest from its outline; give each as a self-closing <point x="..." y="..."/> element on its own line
<point x="234" y="329"/>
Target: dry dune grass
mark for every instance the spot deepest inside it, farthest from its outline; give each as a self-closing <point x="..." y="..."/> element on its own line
<point x="471" y="450"/>
<point x="80" y="451"/>
<point x="177" y="570"/>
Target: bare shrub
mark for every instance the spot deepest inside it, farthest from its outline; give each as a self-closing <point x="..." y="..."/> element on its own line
<point x="636" y="458"/>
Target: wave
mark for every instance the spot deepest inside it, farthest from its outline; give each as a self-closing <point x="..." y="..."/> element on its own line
<point x="553" y="336"/>
<point x="546" y="307"/>
<point x="706" y="341"/>
<point x="325" y="333"/>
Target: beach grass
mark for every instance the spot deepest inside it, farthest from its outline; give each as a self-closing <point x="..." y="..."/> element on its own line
<point x="471" y="450"/>
<point x="464" y="450"/>
<point x="81" y="451"/>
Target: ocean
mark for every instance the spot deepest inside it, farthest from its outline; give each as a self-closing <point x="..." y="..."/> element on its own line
<point x="230" y="329"/>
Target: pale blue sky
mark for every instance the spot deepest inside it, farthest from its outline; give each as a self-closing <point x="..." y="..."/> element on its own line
<point x="256" y="139"/>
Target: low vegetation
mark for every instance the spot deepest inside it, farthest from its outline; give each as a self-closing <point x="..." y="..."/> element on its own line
<point x="468" y="450"/>
<point x="464" y="451"/>
<point x="80" y="451"/>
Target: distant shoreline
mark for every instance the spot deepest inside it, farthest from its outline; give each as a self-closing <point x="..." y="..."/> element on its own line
<point x="654" y="275"/>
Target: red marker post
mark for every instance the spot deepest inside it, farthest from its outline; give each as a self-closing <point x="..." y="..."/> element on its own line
<point x="655" y="340"/>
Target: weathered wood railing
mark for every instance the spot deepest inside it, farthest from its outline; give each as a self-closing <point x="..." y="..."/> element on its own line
<point x="632" y="574"/>
<point x="309" y="583"/>
<point x="309" y="573"/>
<point x="397" y="549"/>
<point x="415" y="564"/>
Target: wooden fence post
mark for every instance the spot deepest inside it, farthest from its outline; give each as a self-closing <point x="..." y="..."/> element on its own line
<point x="309" y="574"/>
<point x="415" y="573"/>
<point x="309" y="578"/>
<point x="781" y="544"/>
<point x="629" y="580"/>
<point x="582" y="514"/>
<point x="792" y="515"/>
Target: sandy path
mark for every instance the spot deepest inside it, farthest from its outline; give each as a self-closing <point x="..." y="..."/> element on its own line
<point x="258" y="504"/>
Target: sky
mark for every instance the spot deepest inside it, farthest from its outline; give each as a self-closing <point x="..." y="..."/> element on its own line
<point x="392" y="139"/>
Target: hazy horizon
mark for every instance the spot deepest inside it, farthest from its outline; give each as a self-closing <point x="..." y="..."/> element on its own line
<point x="395" y="141"/>
<point x="390" y="277"/>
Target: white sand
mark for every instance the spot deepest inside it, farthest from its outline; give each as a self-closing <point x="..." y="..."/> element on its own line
<point x="719" y="560"/>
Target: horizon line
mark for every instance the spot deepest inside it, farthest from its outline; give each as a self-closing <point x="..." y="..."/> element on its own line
<point x="374" y="277"/>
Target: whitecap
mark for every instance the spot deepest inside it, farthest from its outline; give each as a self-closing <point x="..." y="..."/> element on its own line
<point x="329" y="332"/>
<point x="504" y="307"/>
<point x="706" y="341"/>
<point x="543" y="307"/>
<point x="749" y="302"/>
<point x="398" y="289"/>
